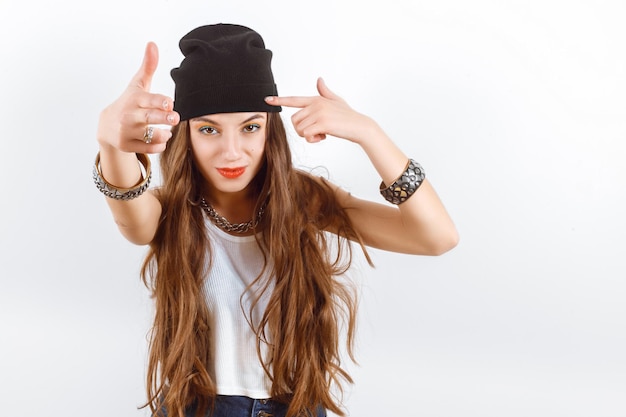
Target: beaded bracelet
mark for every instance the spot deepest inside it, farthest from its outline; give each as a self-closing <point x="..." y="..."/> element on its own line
<point x="125" y="194"/>
<point x="405" y="185"/>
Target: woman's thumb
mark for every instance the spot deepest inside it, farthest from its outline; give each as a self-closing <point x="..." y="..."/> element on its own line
<point x="143" y="78"/>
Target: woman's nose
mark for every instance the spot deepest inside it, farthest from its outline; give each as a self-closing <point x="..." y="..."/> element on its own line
<point x="232" y="146"/>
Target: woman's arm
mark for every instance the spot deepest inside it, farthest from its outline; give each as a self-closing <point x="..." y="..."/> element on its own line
<point x="420" y="225"/>
<point x="121" y="129"/>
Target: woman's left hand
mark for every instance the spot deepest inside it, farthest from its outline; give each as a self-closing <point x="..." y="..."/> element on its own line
<point x="326" y="114"/>
<point x="419" y="226"/>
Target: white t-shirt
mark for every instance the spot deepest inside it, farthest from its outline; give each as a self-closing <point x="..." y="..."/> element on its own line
<point x="236" y="262"/>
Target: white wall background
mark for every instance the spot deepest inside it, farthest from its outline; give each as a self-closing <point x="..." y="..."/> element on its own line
<point x="515" y="108"/>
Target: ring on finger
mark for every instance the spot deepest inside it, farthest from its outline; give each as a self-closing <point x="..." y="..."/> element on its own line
<point x="148" y="134"/>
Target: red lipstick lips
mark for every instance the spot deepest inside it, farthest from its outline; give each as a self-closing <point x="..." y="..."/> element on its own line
<point x="231" y="172"/>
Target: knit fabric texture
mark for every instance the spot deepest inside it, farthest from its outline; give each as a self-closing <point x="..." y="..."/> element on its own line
<point x="226" y="69"/>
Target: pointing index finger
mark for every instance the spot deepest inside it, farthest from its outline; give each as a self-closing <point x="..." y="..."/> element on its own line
<point x="298" y="102"/>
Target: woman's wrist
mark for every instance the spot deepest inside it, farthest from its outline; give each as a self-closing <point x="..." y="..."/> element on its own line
<point x="117" y="192"/>
<point x="118" y="167"/>
<point x="369" y="133"/>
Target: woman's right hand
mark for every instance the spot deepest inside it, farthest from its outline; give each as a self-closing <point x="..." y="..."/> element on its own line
<point x="123" y="123"/>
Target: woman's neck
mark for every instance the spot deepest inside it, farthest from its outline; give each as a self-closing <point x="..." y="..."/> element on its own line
<point x="235" y="207"/>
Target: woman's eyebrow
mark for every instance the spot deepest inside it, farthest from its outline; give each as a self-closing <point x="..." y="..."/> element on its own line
<point x="205" y="120"/>
<point x="251" y="118"/>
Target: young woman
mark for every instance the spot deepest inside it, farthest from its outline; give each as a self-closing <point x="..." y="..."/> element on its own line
<point x="245" y="250"/>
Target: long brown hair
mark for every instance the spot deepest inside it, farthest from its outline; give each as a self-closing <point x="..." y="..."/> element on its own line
<point x="306" y="306"/>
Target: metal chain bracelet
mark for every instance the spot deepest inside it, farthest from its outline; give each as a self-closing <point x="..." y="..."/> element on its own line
<point x="405" y="185"/>
<point x="124" y="194"/>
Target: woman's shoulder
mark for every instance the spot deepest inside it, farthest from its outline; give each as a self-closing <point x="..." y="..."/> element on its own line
<point x="320" y="198"/>
<point x="314" y="185"/>
<point x="317" y="185"/>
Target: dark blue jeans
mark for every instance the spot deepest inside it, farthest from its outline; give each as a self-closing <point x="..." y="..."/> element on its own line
<point x="238" y="406"/>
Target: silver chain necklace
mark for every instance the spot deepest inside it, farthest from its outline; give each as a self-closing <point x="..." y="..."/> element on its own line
<point x="224" y="224"/>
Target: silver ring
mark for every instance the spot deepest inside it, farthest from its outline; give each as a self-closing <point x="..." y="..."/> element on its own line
<point x="149" y="133"/>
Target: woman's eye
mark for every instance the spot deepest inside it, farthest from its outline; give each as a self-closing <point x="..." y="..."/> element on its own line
<point x="208" y="130"/>
<point x="251" y="128"/>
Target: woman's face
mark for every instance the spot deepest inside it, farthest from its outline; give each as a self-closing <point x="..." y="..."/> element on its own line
<point x="229" y="148"/>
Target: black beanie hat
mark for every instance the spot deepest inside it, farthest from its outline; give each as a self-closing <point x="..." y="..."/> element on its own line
<point x="226" y="69"/>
